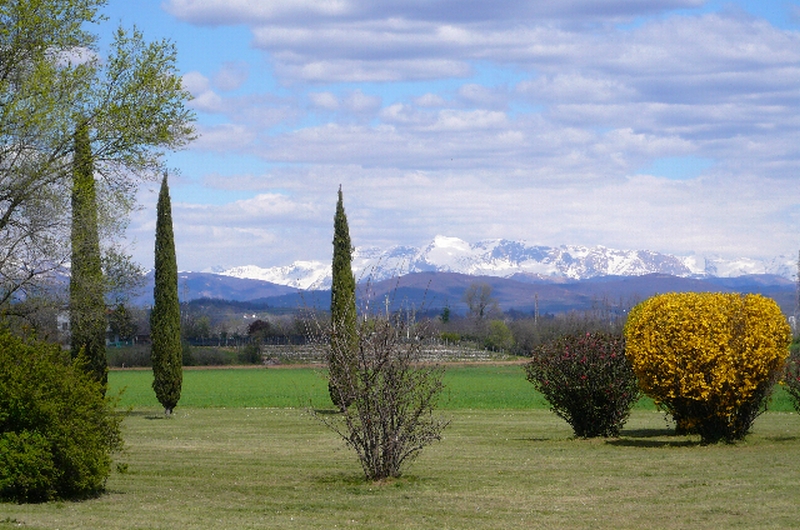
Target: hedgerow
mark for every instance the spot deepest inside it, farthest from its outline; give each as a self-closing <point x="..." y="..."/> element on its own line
<point x="708" y="359"/>
<point x="57" y="431"/>
<point x="588" y="381"/>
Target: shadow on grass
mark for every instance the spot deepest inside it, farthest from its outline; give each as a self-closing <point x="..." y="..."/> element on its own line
<point x="538" y="440"/>
<point x="146" y="414"/>
<point x="358" y="484"/>
<point x="652" y="438"/>
<point x="327" y="412"/>
<point x="780" y="439"/>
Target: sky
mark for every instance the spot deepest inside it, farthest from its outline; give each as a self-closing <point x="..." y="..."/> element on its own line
<point x="664" y="125"/>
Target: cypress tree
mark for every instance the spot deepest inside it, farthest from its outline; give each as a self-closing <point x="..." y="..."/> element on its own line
<point x="344" y="339"/>
<point x="86" y="287"/>
<point x="165" y="318"/>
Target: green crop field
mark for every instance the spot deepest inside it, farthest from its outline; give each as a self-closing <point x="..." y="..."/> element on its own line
<point x="468" y="386"/>
<point x="242" y="451"/>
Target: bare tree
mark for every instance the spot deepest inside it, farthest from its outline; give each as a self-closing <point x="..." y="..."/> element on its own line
<point x="391" y="415"/>
<point x="480" y="302"/>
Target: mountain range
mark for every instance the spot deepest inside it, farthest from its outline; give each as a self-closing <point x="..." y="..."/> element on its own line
<point x="523" y="277"/>
<point x="506" y="259"/>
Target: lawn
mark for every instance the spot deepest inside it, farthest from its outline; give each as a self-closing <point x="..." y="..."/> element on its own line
<point x="505" y="462"/>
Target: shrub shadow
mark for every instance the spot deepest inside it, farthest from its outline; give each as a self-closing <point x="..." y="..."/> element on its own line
<point x="652" y="438"/>
<point x="327" y="412"/>
<point x="637" y="442"/>
<point x="780" y="439"/>
<point x="359" y="485"/>
<point x="648" y="433"/>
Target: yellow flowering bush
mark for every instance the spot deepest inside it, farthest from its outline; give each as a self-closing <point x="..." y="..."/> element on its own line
<point x="708" y="359"/>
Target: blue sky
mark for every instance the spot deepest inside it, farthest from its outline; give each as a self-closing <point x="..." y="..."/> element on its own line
<point x="668" y="125"/>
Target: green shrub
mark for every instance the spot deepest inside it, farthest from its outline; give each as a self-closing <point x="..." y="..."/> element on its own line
<point x="588" y="381"/>
<point x="250" y="354"/>
<point x="499" y="337"/>
<point x="57" y="431"/>
<point x="709" y="359"/>
<point x="27" y="471"/>
<point x="209" y="356"/>
<point x="450" y="337"/>
<point x="129" y="356"/>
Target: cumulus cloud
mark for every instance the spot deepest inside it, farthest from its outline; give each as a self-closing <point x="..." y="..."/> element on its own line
<point x="394" y="100"/>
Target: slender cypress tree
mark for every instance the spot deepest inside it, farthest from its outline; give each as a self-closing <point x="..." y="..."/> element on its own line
<point x="87" y="307"/>
<point x="344" y="339"/>
<point x="165" y="318"/>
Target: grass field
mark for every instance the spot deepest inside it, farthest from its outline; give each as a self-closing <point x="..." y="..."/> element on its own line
<point x="241" y="452"/>
<point x="468" y="386"/>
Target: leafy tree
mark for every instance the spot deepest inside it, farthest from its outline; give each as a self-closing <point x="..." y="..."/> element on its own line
<point x="709" y="359"/>
<point x="499" y="336"/>
<point x="57" y="431"/>
<point x="122" y="323"/>
<point x="165" y="318"/>
<point x="51" y="74"/>
<point x="344" y="338"/>
<point x="86" y="287"/>
<point x="392" y="398"/>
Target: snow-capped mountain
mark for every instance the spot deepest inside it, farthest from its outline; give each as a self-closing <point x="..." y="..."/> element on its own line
<point x="505" y="258"/>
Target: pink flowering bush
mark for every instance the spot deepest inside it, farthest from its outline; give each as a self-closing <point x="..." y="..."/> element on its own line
<point x="588" y="381"/>
<point x="791" y="374"/>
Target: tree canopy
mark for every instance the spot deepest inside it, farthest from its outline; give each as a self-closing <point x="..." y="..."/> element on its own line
<point x="52" y="74"/>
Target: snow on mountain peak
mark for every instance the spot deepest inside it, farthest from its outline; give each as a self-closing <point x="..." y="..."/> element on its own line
<point x="505" y="258"/>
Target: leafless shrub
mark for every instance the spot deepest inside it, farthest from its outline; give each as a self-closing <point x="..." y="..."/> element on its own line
<point x="393" y="396"/>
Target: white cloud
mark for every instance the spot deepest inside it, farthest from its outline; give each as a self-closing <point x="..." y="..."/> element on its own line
<point x="232" y="75"/>
<point x="324" y="100"/>
<point x="511" y="119"/>
<point x="205" y="99"/>
<point x="223" y="138"/>
<point x="359" y="103"/>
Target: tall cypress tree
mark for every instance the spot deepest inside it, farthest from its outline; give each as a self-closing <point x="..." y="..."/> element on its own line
<point x="344" y="338"/>
<point x="87" y="307"/>
<point x="165" y="318"/>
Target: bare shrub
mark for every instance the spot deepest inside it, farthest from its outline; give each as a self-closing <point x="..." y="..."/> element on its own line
<point x="392" y="398"/>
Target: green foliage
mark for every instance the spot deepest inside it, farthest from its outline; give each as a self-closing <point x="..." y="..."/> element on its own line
<point x="250" y="354"/>
<point x="588" y="381"/>
<point x="129" y="356"/>
<point x="393" y="396"/>
<point x="450" y="337"/>
<point x="122" y="323"/>
<point x="709" y="359"/>
<point x="27" y="471"/>
<point x="87" y="306"/>
<point x="57" y="431"/>
<point x="209" y="356"/>
<point x="343" y="337"/>
<point x="498" y="337"/>
<point x="165" y="318"/>
<point x="134" y="107"/>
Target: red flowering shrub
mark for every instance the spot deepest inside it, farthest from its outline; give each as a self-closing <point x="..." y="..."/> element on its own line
<point x="791" y="374"/>
<point x="588" y="381"/>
